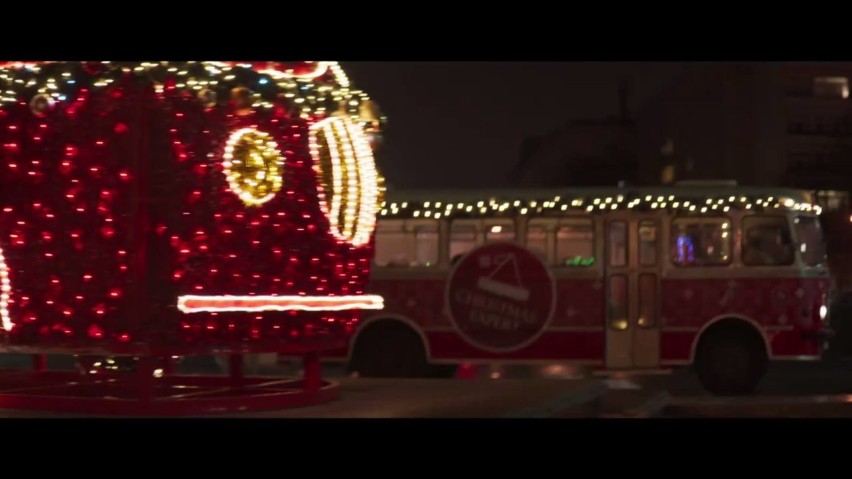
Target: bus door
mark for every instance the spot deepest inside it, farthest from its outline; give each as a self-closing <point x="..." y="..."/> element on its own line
<point x="632" y="269"/>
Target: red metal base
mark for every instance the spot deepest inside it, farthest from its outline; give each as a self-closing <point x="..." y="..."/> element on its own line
<point x="141" y="394"/>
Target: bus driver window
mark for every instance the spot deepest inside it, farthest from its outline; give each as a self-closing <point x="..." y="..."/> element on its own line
<point x="767" y="241"/>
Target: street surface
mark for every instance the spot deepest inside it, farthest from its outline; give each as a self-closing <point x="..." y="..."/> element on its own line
<point x="790" y="389"/>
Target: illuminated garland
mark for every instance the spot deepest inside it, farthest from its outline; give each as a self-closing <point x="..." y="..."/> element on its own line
<point x="5" y="293"/>
<point x="93" y="155"/>
<point x="348" y="181"/>
<point x="198" y="304"/>
<point x="492" y="207"/>
<point x="252" y="165"/>
<point x="319" y="91"/>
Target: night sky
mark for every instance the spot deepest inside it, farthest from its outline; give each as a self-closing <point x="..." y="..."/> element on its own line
<point x="457" y="124"/>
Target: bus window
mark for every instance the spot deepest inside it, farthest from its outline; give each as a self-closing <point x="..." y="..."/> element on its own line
<point x="462" y="239"/>
<point x="537" y="240"/>
<point x="647" y="243"/>
<point x="701" y="241"/>
<point x="647" y="301"/>
<point x="809" y="236"/>
<point x="617" y="243"/>
<point x="426" y="244"/>
<point x="767" y="241"/>
<point x="391" y="244"/>
<point x="575" y="245"/>
<point x="499" y="232"/>
<point x="618" y="302"/>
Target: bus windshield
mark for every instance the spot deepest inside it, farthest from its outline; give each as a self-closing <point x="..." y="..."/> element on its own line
<point x="809" y="236"/>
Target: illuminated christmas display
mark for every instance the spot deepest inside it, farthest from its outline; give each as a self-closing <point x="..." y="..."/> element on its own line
<point x="185" y="205"/>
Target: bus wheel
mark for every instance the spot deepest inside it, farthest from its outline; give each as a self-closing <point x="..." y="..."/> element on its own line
<point x="731" y="361"/>
<point x="389" y="349"/>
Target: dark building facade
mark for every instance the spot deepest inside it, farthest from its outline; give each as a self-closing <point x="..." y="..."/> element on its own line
<point x="582" y="152"/>
<point x="762" y="124"/>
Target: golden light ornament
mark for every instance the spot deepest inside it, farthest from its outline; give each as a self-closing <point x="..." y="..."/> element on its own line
<point x="349" y="185"/>
<point x="253" y="166"/>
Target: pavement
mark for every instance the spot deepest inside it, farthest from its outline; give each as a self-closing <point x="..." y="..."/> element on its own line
<point x="794" y="389"/>
<point x="447" y="398"/>
<point x="389" y="398"/>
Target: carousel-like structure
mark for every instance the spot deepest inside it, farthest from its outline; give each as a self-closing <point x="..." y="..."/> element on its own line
<point x="156" y="210"/>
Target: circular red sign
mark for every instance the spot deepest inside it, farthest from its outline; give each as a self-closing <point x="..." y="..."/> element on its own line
<point x="500" y="297"/>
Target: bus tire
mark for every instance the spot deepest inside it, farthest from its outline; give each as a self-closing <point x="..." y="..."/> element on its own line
<point x="389" y="349"/>
<point x="731" y="361"/>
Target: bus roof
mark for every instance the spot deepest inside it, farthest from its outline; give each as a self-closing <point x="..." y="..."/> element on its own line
<point x="697" y="198"/>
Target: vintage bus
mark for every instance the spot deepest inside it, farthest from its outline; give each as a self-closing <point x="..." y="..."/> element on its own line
<point x="719" y="276"/>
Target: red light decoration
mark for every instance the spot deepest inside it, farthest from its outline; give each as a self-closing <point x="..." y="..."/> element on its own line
<point x="122" y="220"/>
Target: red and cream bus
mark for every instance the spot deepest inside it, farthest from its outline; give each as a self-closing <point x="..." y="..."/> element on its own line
<point x="718" y="276"/>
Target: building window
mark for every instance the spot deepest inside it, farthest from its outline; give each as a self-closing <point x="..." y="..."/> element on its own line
<point x="831" y="87"/>
<point x="800" y="160"/>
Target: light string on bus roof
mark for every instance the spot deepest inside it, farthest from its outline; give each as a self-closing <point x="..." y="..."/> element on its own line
<point x="492" y="206"/>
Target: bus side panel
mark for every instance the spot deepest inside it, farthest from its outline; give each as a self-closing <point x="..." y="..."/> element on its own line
<point x="575" y="331"/>
<point x="552" y="345"/>
<point x="784" y="307"/>
<point x="579" y="304"/>
<point x="420" y="300"/>
<point x="676" y="346"/>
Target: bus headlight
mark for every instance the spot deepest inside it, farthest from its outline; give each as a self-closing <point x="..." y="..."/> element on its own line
<point x="823" y="312"/>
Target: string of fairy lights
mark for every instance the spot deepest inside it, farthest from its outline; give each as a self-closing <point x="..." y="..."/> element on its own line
<point x="597" y="204"/>
<point x="320" y="91"/>
<point x="349" y="185"/>
<point x="236" y="219"/>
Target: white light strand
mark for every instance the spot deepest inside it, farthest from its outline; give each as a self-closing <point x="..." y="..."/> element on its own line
<point x="255" y="304"/>
<point x="606" y="204"/>
<point x="359" y="196"/>
<point x="5" y="293"/>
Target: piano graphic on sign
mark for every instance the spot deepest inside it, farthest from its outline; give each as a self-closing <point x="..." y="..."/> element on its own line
<point x="505" y="280"/>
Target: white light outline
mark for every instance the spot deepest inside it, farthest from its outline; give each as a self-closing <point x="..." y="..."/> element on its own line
<point x="362" y="193"/>
<point x="279" y="303"/>
<point x="228" y="157"/>
<point x="351" y="179"/>
<point x="367" y="175"/>
<point x="5" y="293"/>
<point x="321" y="68"/>
<point x="336" y="173"/>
